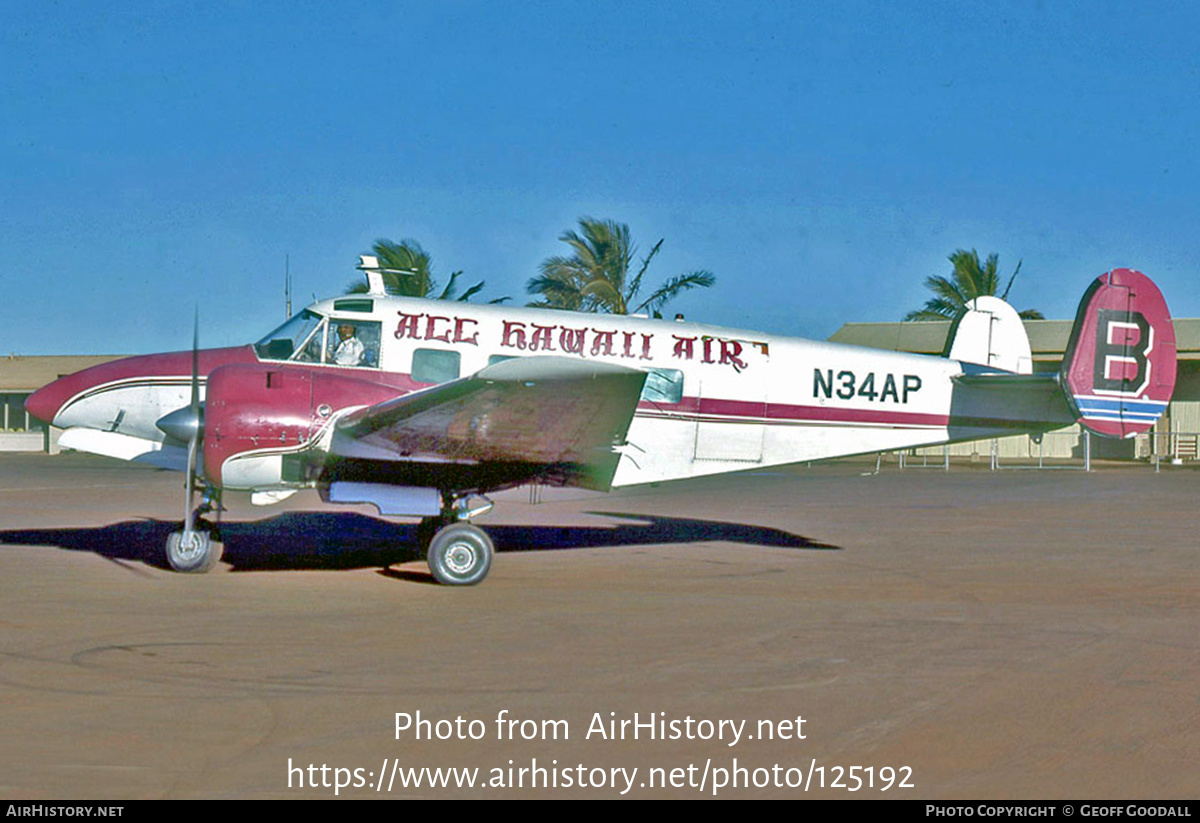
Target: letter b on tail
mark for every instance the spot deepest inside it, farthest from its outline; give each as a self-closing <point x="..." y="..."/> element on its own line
<point x="1119" y="369"/>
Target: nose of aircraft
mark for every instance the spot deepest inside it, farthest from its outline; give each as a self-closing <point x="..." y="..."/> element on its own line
<point x="46" y="401"/>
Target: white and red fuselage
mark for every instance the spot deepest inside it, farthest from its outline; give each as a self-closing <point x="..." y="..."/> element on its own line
<point x="714" y="400"/>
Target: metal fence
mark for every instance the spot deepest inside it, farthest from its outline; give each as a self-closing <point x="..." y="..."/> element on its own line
<point x="1072" y="448"/>
<point x="1176" y="446"/>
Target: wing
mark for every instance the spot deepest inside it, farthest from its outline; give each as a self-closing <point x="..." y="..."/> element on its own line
<point x="560" y="413"/>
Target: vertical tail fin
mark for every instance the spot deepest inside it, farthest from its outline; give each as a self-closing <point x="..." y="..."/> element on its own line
<point x="990" y="334"/>
<point x="1119" y="368"/>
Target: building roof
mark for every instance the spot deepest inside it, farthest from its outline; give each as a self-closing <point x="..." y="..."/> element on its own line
<point x="1047" y="338"/>
<point x="19" y="373"/>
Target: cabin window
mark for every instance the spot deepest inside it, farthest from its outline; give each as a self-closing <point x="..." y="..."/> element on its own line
<point x="663" y="386"/>
<point x="353" y="343"/>
<point x="435" y="365"/>
<point x="500" y="358"/>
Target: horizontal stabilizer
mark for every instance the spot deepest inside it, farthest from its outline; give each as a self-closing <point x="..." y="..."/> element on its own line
<point x="988" y="402"/>
<point x="1000" y="379"/>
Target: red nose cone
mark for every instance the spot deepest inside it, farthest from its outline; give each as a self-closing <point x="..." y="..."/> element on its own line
<point x="46" y="401"/>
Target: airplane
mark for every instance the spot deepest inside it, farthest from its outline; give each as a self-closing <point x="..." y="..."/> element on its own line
<point x="423" y="407"/>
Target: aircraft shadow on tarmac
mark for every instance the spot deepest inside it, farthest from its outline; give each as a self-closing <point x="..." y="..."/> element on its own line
<point x="322" y="540"/>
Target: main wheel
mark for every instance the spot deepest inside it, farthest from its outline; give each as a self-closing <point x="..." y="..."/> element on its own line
<point x="460" y="554"/>
<point x="200" y="555"/>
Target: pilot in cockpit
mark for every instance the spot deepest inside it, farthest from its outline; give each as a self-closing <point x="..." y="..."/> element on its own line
<point x="349" y="349"/>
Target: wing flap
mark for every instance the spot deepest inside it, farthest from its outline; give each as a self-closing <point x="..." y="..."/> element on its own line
<point x="552" y="411"/>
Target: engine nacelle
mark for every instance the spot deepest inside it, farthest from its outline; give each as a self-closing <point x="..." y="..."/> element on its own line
<point x="261" y="420"/>
<point x="254" y="414"/>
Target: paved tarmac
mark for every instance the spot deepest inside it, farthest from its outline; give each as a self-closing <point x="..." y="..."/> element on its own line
<point x="976" y="634"/>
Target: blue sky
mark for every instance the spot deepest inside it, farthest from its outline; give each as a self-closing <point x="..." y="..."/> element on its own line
<point x="821" y="159"/>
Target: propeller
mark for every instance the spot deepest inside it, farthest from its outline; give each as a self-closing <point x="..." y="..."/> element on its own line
<point x="187" y="425"/>
<point x="192" y="549"/>
<point x="194" y="413"/>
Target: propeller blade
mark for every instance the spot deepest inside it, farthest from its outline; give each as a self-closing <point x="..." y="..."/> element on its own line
<point x="195" y="404"/>
<point x="189" y="517"/>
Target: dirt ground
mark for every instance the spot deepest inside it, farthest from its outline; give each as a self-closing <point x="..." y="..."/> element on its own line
<point x="974" y="634"/>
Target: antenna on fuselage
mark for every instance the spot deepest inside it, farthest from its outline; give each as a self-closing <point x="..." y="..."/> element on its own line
<point x="287" y="286"/>
<point x="368" y="264"/>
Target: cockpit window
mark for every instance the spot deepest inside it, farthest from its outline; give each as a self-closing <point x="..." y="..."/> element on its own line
<point x="292" y="338"/>
<point x="314" y="338"/>
<point x="354" y="343"/>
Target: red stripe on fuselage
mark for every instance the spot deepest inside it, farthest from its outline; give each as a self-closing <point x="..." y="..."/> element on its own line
<point x="717" y="410"/>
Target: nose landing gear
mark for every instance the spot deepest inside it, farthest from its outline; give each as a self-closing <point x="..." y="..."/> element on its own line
<point x="196" y="546"/>
<point x="196" y="551"/>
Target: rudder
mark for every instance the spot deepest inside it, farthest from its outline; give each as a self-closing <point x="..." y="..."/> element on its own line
<point x="1119" y="368"/>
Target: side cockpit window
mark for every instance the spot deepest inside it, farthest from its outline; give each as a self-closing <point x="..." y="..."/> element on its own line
<point x="354" y="343"/>
<point x="313" y="338"/>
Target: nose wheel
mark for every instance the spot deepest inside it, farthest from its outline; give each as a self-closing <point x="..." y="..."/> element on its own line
<point x="460" y="554"/>
<point x="196" y="550"/>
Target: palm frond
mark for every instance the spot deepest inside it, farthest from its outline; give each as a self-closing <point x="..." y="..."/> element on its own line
<point x="934" y="309"/>
<point x="471" y="292"/>
<point x="1010" y="280"/>
<point x="968" y="280"/>
<point x="451" y="286"/>
<point x="636" y="283"/>
<point x="556" y="293"/>
<point x="601" y="292"/>
<point x="672" y="287"/>
<point x="595" y="276"/>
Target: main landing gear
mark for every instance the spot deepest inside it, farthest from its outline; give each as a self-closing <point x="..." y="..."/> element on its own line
<point x="459" y="553"/>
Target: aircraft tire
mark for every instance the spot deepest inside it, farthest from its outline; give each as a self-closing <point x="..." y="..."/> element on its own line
<point x="202" y="556"/>
<point x="460" y="554"/>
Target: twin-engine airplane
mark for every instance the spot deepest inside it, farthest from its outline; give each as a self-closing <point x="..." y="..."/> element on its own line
<point x="422" y="407"/>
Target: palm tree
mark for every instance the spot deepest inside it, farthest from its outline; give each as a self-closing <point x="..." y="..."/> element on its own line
<point x="596" y="276"/>
<point x="968" y="281"/>
<point x="408" y="271"/>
